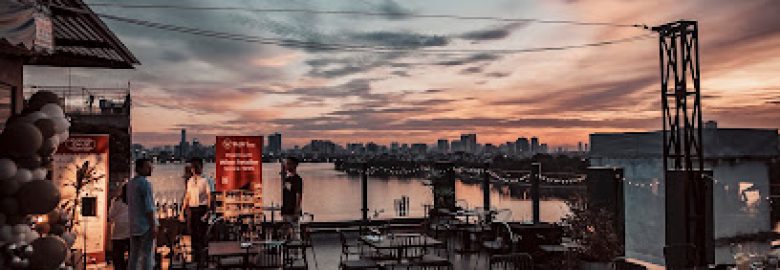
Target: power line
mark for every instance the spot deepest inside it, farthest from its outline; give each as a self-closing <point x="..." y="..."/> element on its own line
<point x="349" y="47"/>
<point x="364" y="13"/>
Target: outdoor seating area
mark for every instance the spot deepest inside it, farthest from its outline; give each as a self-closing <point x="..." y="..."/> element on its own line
<point x="463" y="239"/>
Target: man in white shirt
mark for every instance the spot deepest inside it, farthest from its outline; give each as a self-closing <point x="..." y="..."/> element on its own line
<point x="197" y="200"/>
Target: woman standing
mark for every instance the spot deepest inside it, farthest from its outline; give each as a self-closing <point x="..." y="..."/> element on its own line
<point x="120" y="233"/>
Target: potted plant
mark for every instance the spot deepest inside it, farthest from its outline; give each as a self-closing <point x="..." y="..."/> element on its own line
<point x="594" y="229"/>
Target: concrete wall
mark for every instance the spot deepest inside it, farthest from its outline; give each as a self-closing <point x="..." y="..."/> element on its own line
<point x="734" y="213"/>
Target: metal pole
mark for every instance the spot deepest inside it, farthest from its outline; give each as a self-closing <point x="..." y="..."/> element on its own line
<point x="486" y="192"/>
<point x="536" y="169"/>
<point x="364" y="191"/>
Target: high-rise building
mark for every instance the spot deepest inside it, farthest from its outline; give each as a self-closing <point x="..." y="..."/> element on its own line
<point x="457" y="146"/>
<point x="274" y="144"/>
<point x="535" y="145"/>
<point x="184" y="150"/>
<point x="579" y="147"/>
<point x="394" y="147"/>
<point x="543" y="149"/>
<point x="442" y="146"/>
<point x="522" y="146"/>
<point x="469" y="142"/>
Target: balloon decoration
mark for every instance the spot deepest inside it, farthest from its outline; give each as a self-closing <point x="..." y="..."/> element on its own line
<point x="26" y="147"/>
<point x="48" y="252"/>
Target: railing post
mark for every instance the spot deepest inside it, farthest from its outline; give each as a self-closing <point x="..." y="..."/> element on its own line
<point x="364" y="191"/>
<point x="486" y="192"/>
<point x="536" y="170"/>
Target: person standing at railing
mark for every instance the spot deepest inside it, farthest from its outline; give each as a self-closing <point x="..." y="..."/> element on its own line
<point x="197" y="199"/>
<point x="292" y="197"/>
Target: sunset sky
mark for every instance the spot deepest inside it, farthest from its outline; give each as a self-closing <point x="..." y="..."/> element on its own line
<point x="214" y="86"/>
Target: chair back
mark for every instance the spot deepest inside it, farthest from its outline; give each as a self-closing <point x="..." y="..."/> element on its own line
<point x="268" y="257"/>
<point x="413" y="246"/>
<point x="514" y="261"/>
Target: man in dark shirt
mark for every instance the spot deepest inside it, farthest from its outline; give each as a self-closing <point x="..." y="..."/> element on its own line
<point x="292" y="196"/>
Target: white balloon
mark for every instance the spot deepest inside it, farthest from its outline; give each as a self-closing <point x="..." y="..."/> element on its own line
<point x="23" y="175"/>
<point x="61" y="124"/>
<point x="54" y="140"/>
<point x="39" y="174"/>
<point x="53" y="110"/>
<point x="20" y="228"/>
<point x="35" y="116"/>
<point x="63" y="136"/>
<point x="31" y="235"/>
<point x="7" y="168"/>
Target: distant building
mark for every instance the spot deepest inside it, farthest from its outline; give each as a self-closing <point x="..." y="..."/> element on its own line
<point x="543" y="149"/>
<point x="457" y="146"/>
<point x="443" y="146"/>
<point x="183" y="147"/>
<point x="522" y="146"/>
<point x="579" y="147"/>
<point x="394" y="147"/>
<point x="535" y="145"/>
<point x="469" y="142"/>
<point x="419" y="148"/>
<point x="274" y="144"/>
<point x="739" y="159"/>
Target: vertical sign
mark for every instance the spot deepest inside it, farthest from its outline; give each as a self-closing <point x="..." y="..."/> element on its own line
<point x="239" y="163"/>
<point x="80" y="169"/>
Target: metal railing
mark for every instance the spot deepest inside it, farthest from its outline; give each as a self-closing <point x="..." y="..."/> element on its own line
<point x="77" y="100"/>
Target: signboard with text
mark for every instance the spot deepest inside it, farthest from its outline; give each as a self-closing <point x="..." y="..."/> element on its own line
<point x="82" y="161"/>
<point x="239" y="162"/>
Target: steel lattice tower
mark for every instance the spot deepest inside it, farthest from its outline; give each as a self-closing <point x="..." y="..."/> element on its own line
<point x="688" y="196"/>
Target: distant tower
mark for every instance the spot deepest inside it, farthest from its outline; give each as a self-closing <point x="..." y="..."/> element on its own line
<point x="469" y="142"/>
<point x="183" y="144"/>
<point x="275" y="143"/>
<point x="535" y="145"/>
<point x="522" y="146"/>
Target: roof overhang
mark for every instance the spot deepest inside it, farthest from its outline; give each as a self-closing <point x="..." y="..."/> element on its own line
<point x="80" y="39"/>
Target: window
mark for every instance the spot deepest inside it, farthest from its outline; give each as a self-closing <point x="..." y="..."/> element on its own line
<point x="6" y="93"/>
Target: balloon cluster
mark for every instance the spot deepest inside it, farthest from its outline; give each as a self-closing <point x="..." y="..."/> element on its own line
<point x="26" y="147"/>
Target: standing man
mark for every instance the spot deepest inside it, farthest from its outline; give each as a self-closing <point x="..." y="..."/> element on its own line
<point x="197" y="200"/>
<point x="292" y="196"/>
<point x="143" y="221"/>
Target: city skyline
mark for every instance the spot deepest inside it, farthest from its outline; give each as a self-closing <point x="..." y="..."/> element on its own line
<point x="218" y="87"/>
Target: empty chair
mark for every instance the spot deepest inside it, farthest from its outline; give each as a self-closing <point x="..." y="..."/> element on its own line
<point x="514" y="261"/>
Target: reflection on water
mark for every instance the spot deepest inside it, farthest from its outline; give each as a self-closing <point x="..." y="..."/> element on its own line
<point x="334" y="196"/>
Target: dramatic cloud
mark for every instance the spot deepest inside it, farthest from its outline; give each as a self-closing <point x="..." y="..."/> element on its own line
<point x="499" y="32"/>
<point x="395" y="76"/>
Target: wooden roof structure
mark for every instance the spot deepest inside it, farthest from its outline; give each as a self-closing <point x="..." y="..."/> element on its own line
<point x="80" y="39"/>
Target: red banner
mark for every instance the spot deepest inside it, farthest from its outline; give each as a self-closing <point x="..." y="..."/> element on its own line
<point x="239" y="162"/>
<point x="85" y="157"/>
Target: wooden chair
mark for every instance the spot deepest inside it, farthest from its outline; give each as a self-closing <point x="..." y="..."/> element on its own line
<point x="514" y="261"/>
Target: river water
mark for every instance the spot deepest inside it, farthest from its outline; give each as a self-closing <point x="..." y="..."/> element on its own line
<point x="334" y="196"/>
